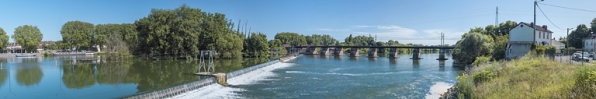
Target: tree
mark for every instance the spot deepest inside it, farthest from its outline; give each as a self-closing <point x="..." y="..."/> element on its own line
<point x="576" y="36"/>
<point x="504" y="28"/>
<point x="293" y="39"/>
<point x="28" y="37"/>
<point x="77" y="33"/>
<point x="593" y="25"/>
<point x="276" y="43"/>
<point x="258" y="44"/>
<point x="499" y="47"/>
<point x="3" y="39"/>
<point x="471" y="46"/>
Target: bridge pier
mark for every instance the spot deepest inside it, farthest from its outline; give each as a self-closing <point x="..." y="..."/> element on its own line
<point x="311" y="51"/>
<point x="324" y="51"/>
<point x="354" y="52"/>
<point x="393" y="53"/>
<point x="442" y="55"/>
<point x="416" y="53"/>
<point x="338" y="51"/>
<point x="372" y="52"/>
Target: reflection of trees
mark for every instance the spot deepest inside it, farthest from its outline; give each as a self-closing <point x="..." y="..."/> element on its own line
<point x="228" y="65"/>
<point x="78" y="76"/>
<point x="114" y="73"/>
<point x="29" y="76"/>
<point x="162" y="74"/>
<point x="3" y="75"/>
<point x="253" y="61"/>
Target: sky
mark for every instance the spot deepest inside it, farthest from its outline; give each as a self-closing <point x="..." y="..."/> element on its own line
<point x="407" y="21"/>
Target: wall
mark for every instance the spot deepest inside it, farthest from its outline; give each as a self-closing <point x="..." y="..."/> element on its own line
<point x="517" y="51"/>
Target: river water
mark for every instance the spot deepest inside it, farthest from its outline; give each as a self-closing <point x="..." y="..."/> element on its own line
<point x="324" y="77"/>
<point x="82" y="77"/>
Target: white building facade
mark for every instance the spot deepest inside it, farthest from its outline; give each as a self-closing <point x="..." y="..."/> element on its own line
<point x="520" y="39"/>
<point x="589" y="43"/>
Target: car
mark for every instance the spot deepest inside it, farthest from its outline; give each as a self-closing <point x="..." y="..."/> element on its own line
<point x="591" y="54"/>
<point x="581" y="57"/>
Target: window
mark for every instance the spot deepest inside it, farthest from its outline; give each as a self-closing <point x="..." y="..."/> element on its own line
<point x="539" y="34"/>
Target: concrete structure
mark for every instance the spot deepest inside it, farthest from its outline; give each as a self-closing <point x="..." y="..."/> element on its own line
<point x="338" y="51"/>
<point x="416" y="53"/>
<point x="325" y="51"/>
<point x="393" y="54"/>
<point x="590" y="43"/>
<point x="520" y="39"/>
<point x="557" y="44"/>
<point x="442" y="54"/>
<point x="354" y="52"/>
<point x="372" y="52"/>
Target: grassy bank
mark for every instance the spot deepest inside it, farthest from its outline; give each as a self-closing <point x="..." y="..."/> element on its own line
<point x="528" y="78"/>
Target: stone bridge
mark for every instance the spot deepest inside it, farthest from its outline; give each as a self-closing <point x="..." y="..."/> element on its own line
<point x="372" y="52"/>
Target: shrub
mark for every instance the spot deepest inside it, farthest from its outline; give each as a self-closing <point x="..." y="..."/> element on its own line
<point x="483" y="75"/>
<point x="585" y="85"/>
<point x="481" y="60"/>
<point x="46" y="54"/>
<point x="465" y="86"/>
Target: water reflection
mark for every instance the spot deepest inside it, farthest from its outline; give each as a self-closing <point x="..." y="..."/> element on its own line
<point x="78" y="76"/>
<point x="393" y="61"/>
<point x="441" y="65"/>
<point x="3" y="76"/>
<point x="353" y="58"/>
<point x="337" y="57"/>
<point x="372" y="59"/>
<point x="416" y="63"/>
<point x="27" y="76"/>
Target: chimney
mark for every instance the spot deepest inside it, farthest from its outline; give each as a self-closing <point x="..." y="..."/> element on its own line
<point x="532" y="24"/>
<point x="544" y="26"/>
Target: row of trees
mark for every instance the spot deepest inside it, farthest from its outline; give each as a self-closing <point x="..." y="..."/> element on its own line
<point x="27" y="36"/>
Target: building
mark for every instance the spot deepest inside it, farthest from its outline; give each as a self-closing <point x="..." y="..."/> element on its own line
<point x="589" y="43"/>
<point x="558" y="45"/>
<point x="14" y="47"/>
<point x="520" y="39"/>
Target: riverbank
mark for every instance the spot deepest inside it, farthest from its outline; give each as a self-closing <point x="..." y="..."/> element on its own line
<point x="11" y="55"/>
<point x="525" y="78"/>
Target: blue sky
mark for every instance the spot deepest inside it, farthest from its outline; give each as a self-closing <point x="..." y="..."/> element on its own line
<point x="408" y="21"/>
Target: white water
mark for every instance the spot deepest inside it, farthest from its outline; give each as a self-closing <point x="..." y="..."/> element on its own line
<point x="437" y="89"/>
<point x="216" y="91"/>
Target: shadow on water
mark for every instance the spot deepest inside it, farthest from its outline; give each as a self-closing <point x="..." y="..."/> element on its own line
<point x="372" y="59"/>
<point x="393" y="61"/>
<point x="441" y="65"/>
<point x="337" y="57"/>
<point x="353" y="58"/>
<point x="416" y="63"/>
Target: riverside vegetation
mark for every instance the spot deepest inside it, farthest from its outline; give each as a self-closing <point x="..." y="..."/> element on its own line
<point x="528" y="77"/>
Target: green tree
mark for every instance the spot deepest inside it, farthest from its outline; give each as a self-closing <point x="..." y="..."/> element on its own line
<point x="3" y="39"/>
<point x="28" y="37"/>
<point x="593" y="25"/>
<point x="276" y="43"/>
<point x="471" y="46"/>
<point x="505" y="27"/>
<point x="499" y="47"/>
<point x="293" y="39"/>
<point x="258" y="43"/>
<point x="576" y="36"/>
<point x="77" y="33"/>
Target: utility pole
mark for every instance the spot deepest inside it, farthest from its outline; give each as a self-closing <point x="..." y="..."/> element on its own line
<point x="497" y="17"/>
<point x="567" y="43"/>
<point x="534" y="25"/>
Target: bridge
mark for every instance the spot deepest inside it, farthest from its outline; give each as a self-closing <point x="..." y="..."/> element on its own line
<point x="372" y="52"/>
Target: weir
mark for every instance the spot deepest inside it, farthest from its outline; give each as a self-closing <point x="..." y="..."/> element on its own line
<point x="186" y="87"/>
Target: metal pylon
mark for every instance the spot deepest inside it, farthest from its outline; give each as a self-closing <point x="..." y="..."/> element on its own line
<point x="209" y="66"/>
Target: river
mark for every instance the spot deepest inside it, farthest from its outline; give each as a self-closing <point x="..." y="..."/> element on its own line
<point x="82" y="77"/>
<point x="324" y="77"/>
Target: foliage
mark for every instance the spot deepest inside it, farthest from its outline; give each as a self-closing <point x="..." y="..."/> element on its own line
<point x="593" y="25"/>
<point x="361" y="40"/>
<point x="481" y="60"/>
<point x="46" y="54"/>
<point x="484" y="75"/>
<point x="28" y="37"/>
<point x="231" y="45"/>
<point x="528" y="77"/>
<point x="3" y="39"/>
<point x="577" y="35"/>
<point x="471" y="46"/>
<point x="276" y="43"/>
<point x="585" y="85"/>
<point x="499" y="47"/>
<point x="116" y="49"/>
<point x="293" y="39"/>
<point x="258" y="45"/>
<point x="77" y="33"/>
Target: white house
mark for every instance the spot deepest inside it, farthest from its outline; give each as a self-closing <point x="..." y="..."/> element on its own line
<point x="557" y="44"/>
<point x="589" y="43"/>
<point x="520" y="39"/>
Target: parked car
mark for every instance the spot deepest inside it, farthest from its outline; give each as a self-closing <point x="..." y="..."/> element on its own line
<point x="591" y="54"/>
<point x="581" y="57"/>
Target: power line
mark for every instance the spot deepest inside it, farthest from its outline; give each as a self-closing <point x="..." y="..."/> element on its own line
<point x="551" y="22"/>
<point x="569" y="8"/>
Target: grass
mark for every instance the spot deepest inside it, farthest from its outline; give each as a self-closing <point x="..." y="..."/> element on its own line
<point x="528" y="78"/>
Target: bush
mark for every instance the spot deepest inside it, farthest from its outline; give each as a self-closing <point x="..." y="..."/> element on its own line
<point x="483" y="75"/>
<point x="465" y="86"/>
<point x="46" y="54"/>
<point x="585" y="85"/>
<point x="481" y="60"/>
